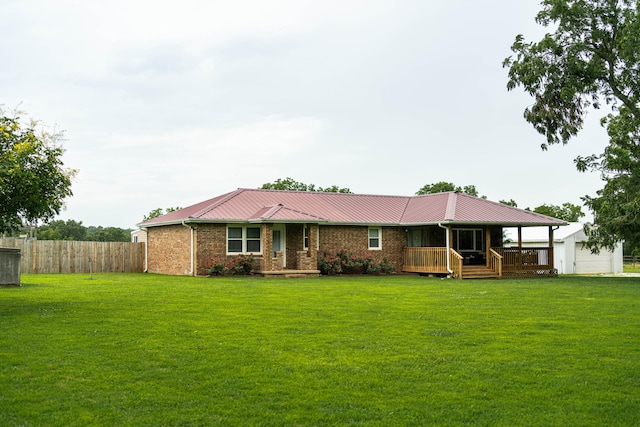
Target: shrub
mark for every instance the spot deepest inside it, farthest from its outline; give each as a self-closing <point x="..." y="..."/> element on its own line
<point x="343" y="262"/>
<point x="216" y="267"/>
<point x="329" y="264"/>
<point x="242" y="265"/>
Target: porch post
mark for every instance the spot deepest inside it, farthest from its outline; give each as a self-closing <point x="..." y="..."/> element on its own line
<point x="551" y="247"/>
<point x="487" y="244"/>
<point x="267" y="247"/>
<point x="519" y="261"/>
<point x="314" y="235"/>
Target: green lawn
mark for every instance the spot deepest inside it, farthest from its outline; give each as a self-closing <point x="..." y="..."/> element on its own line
<point x="631" y="268"/>
<point x="131" y="350"/>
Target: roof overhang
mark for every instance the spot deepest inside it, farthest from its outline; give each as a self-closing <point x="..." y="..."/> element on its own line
<point x="478" y="223"/>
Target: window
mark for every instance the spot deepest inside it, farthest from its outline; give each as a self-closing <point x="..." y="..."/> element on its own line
<point x="305" y="240"/>
<point x="244" y="240"/>
<point x="468" y="240"/>
<point x="375" y="238"/>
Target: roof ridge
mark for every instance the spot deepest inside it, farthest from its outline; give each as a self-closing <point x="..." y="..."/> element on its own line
<point x="301" y="212"/>
<point x="272" y="210"/>
<point x="328" y="193"/>
<point x="450" y="212"/>
<point x="211" y="207"/>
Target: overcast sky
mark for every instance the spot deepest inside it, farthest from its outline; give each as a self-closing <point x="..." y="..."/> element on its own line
<point x="168" y="103"/>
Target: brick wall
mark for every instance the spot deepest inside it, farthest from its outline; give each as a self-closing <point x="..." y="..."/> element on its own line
<point x="355" y="239"/>
<point x="169" y="250"/>
<point x="170" y="246"/>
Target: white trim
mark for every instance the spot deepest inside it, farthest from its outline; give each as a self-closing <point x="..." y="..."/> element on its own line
<point x="379" y="237"/>
<point x="244" y="239"/>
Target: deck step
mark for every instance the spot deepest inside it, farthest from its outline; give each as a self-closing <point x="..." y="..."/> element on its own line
<point x="478" y="272"/>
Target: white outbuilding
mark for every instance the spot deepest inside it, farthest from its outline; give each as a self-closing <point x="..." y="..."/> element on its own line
<point x="570" y="254"/>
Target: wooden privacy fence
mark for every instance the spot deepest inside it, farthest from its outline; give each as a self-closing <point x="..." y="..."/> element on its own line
<point x="68" y="256"/>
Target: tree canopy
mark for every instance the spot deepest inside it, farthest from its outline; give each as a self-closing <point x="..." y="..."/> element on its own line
<point x="159" y="212"/>
<point x="442" y="187"/>
<point x="293" y="185"/>
<point x="33" y="181"/>
<point x="567" y="212"/>
<point x="590" y="59"/>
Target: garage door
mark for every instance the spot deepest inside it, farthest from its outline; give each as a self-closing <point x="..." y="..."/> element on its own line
<point x="586" y="262"/>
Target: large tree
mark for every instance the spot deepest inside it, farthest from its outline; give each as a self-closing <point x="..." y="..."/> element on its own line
<point x="293" y="185"/>
<point x="33" y="181"/>
<point x="591" y="57"/>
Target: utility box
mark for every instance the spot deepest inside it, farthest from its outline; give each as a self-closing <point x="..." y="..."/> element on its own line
<point x="10" y="267"/>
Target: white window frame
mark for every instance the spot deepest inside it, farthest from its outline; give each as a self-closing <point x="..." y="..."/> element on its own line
<point x="305" y="237"/>
<point x="244" y="239"/>
<point x="379" y="237"/>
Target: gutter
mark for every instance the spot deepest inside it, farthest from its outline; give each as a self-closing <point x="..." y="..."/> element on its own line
<point x="448" y="244"/>
<point x="192" y="248"/>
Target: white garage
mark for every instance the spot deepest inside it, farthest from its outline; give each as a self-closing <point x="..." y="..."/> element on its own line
<point x="570" y="255"/>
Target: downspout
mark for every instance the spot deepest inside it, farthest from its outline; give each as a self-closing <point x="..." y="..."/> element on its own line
<point x="146" y="250"/>
<point x="448" y="244"/>
<point x="192" y="249"/>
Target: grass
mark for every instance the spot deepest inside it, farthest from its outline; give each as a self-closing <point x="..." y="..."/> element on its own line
<point x="631" y="268"/>
<point x="132" y="350"/>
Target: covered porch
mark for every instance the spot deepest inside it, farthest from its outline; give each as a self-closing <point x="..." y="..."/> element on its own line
<point x="474" y="251"/>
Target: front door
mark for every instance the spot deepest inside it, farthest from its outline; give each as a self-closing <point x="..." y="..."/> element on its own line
<point x="279" y="241"/>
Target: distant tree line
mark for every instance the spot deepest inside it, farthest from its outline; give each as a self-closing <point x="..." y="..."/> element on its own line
<point x="74" y="230"/>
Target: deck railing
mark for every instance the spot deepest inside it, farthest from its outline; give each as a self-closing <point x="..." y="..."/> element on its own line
<point x="495" y="262"/>
<point x="432" y="260"/>
<point x="425" y="260"/>
<point x="455" y="261"/>
<point x="501" y="260"/>
<point x="514" y="259"/>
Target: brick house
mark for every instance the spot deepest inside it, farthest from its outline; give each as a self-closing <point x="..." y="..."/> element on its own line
<point x="447" y="233"/>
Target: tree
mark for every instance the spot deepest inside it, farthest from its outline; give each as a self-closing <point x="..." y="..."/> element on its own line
<point x="108" y="234"/>
<point x="61" y="230"/>
<point x="33" y="181"/>
<point x="567" y="212"/>
<point x="293" y="185"/>
<point x="509" y="202"/>
<point x="442" y="186"/>
<point x="592" y="57"/>
<point x="158" y="212"/>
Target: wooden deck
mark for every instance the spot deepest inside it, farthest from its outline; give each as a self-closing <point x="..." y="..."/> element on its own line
<point x="503" y="262"/>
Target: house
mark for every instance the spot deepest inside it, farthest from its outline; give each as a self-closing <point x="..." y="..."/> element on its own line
<point x="447" y="233"/>
<point x="570" y="254"/>
<point x="138" y="236"/>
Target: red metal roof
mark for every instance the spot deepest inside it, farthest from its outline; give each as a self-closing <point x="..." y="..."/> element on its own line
<point x="253" y="205"/>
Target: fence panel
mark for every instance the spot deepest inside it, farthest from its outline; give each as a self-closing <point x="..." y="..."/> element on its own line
<point x="68" y="256"/>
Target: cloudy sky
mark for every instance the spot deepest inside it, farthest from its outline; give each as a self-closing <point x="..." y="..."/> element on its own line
<point x="167" y="103"/>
